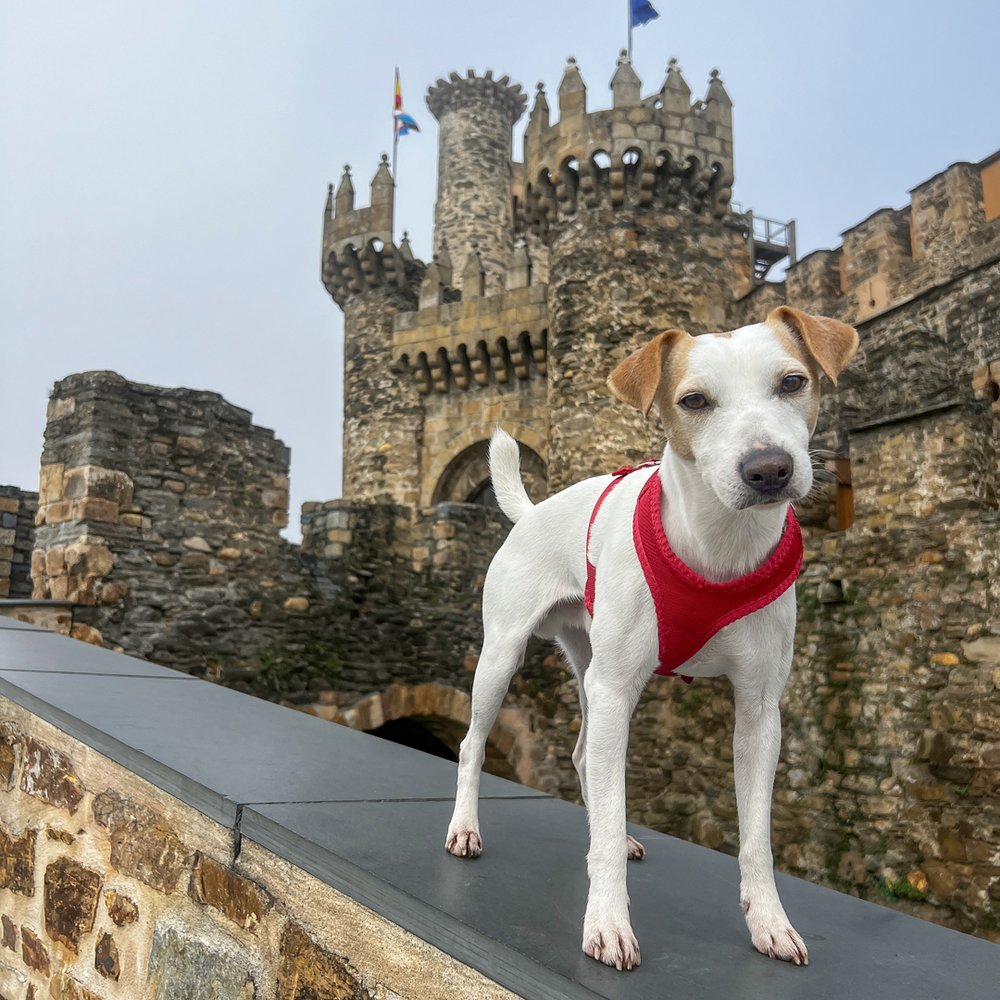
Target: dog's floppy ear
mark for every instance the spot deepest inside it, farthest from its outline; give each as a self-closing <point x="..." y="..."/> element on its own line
<point x="831" y="343"/>
<point x="637" y="379"/>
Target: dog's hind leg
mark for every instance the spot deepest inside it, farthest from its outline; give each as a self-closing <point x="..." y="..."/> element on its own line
<point x="501" y="656"/>
<point x="575" y="644"/>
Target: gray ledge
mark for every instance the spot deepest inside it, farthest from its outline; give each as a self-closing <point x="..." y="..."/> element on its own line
<point x="369" y="818"/>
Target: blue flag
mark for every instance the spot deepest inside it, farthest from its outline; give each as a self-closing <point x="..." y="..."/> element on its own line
<point x="642" y="13"/>
<point x="405" y="124"/>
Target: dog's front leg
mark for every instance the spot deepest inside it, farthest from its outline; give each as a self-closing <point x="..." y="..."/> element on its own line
<point x="607" y="931"/>
<point x="756" y="744"/>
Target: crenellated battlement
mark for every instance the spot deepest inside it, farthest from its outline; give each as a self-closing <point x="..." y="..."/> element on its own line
<point x="662" y="151"/>
<point x="895" y="254"/>
<point x="477" y="93"/>
<point x="343" y="224"/>
<point x="494" y="340"/>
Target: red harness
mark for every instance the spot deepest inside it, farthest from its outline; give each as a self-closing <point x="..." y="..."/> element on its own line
<point x="689" y="608"/>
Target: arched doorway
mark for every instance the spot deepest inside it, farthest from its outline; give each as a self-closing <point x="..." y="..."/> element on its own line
<point x="466" y="478"/>
<point x="434" y="718"/>
<point x="441" y="738"/>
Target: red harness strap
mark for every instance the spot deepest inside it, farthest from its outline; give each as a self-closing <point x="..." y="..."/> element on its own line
<point x="619" y="475"/>
<point x="689" y="608"/>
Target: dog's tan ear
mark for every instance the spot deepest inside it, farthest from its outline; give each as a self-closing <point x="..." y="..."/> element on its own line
<point x="831" y="343"/>
<point x="637" y="379"/>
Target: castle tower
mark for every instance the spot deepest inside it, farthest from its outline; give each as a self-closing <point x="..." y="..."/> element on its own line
<point x="633" y="204"/>
<point x="372" y="279"/>
<point x="474" y="205"/>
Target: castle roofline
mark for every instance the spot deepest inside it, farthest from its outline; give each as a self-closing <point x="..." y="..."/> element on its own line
<point x="476" y="91"/>
<point x="886" y="209"/>
<point x="992" y="158"/>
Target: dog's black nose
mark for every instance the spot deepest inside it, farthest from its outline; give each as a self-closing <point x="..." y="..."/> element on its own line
<point x="767" y="471"/>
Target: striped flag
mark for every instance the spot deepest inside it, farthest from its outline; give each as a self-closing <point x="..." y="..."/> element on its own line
<point x="403" y="124"/>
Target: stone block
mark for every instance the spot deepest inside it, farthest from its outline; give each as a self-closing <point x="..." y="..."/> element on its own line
<point x="143" y="844"/>
<point x="983" y="650"/>
<point x="233" y="896"/>
<point x="121" y="909"/>
<point x="98" y="483"/>
<point x="197" y="544"/>
<point x="181" y="967"/>
<point x="64" y="987"/>
<point x="70" y="901"/>
<point x="56" y="513"/>
<point x="274" y="498"/>
<point x="17" y="862"/>
<point x="296" y="605"/>
<point x="34" y="953"/>
<point x="8" y="933"/>
<point x="309" y="972"/>
<point x="88" y="560"/>
<point x="50" y="484"/>
<point x="186" y="442"/>
<point x="94" y="509"/>
<point x="48" y="775"/>
<point x="86" y="633"/>
<point x="107" y="959"/>
<point x="55" y="560"/>
<point x="59" y="409"/>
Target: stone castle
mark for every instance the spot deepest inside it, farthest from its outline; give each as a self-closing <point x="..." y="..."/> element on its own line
<point x="156" y="525"/>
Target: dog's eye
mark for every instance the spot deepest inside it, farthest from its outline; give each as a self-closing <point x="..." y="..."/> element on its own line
<point x="694" y="401"/>
<point x="791" y="384"/>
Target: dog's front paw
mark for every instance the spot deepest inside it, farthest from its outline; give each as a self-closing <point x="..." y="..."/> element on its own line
<point x="613" y="944"/>
<point x="636" y="852"/>
<point x="464" y="842"/>
<point x="774" y="936"/>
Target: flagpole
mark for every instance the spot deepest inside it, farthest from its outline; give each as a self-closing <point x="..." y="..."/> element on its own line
<point x="395" y="146"/>
<point x="628" y="4"/>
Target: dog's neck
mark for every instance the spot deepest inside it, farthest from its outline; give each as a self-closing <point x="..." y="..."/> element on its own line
<point x="716" y="542"/>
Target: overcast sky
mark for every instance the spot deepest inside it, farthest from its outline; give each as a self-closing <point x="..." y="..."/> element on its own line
<point x="163" y="166"/>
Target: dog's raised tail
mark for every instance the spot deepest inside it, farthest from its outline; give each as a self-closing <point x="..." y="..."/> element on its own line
<point x="505" y="472"/>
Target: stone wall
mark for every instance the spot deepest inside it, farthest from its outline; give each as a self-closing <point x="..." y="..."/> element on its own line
<point x="17" y="535"/>
<point x="112" y="889"/>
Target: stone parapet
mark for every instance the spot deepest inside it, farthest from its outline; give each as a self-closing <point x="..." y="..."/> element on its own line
<point x="662" y="152"/>
<point x="17" y="534"/>
<point x="344" y="225"/>
<point x="896" y="255"/>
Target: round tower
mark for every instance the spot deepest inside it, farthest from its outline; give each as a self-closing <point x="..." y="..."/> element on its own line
<point x="373" y="279"/>
<point x="633" y="204"/>
<point x="474" y="205"/>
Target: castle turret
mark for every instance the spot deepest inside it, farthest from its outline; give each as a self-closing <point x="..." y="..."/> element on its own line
<point x="474" y="205"/>
<point x="372" y="280"/>
<point x="632" y="203"/>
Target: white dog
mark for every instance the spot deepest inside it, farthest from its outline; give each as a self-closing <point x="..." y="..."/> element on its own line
<point x="738" y="410"/>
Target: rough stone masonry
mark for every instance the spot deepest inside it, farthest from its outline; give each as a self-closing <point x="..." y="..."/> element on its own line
<point x="159" y="510"/>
